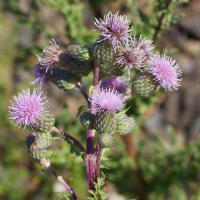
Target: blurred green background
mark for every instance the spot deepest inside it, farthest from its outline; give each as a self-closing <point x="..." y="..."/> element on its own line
<point x="160" y="159"/>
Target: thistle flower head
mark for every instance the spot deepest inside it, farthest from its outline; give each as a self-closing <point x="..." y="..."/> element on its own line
<point x="166" y="71"/>
<point x="131" y="57"/>
<point x="42" y="77"/>
<point x="107" y="100"/>
<point x="27" y="108"/>
<point x="50" y="55"/>
<point x="118" y="84"/>
<point x="146" y="46"/>
<point x="114" y="28"/>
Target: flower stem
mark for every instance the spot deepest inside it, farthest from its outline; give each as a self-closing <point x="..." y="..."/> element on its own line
<point x="99" y="153"/>
<point x="59" y="178"/>
<point x="70" y="137"/>
<point x="90" y="137"/>
<point x="83" y="93"/>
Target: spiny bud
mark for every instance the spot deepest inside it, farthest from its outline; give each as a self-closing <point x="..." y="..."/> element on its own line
<point x="81" y="52"/>
<point x="121" y="115"/>
<point x="102" y="50"/>
<point x="105" y="122"/>
<point x="64" y="79"/>
<point x="125" y="125"/>
<point x="37" y="145"/>
<point x="76" y="66"/>
<point x="144" y="85"/>
<point x="105" y="140"/>
<point x="45" y="122"/>
<point x="111" y="69"/>
<point x="43" y="140"/>
<point x="87" y="120"/>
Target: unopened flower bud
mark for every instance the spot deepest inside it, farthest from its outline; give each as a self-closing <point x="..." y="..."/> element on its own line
<point x="43" y="140"/>
<point x="37" y="145"/>
<point x="76" y="66"/>
<point x="125" y="125"/>
<point x="64" y="79"/>
<point x="105" y="123"/>
<point x="105" y="140"/>
<point x="144" y="84"/>
<point x="81" y="52"/>
<point x="121" y="115"/>
<point x="102" y="50"/>
<point x="45" y="122"/>
<point x="112" y="69"/>
<point x="87" y="120"/>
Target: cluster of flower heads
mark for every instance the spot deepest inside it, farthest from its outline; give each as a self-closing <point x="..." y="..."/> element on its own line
<point x="129" y="52"/>
<point x="133" y="53"/>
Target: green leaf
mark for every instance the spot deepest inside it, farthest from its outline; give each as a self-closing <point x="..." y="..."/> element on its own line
<point x="66" y="195"/>
<point x="73" y="148"/>
<point x="92" y="192"/>
<point x="93" y="160"/>
<point x="80" y="109"/>
<point x="91" y="89"/>
<point x="143" y="17"/>
<point x="58" y="138"/>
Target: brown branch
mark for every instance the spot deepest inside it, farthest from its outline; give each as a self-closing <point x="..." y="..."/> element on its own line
<point x="131" y="149"/>
<point x="160" y="21"/>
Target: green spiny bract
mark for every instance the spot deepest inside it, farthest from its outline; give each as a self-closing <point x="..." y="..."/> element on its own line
<point x="121" y="115"/>
<point x="87" y="120"/>
<point x="43" y="140"/>
<point x="144" y="85"/>
<point x="64" y="79"/>
<point x="81" y="52"/>
<point x="102" y="50"/>
<point x="105" y="140"/>
<point x="105" y="123"/>
<point x="37" y="145"/>
<point x="111" y="69"/>
<point x="46" y="122"/>
<point x="125" y="125"/>
<point x="76" y="66"/>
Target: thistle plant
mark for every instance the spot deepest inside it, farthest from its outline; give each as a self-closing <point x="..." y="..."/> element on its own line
<point x="111" y="60"/>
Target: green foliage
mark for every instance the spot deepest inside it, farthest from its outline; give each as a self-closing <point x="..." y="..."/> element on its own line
<point x="99" y="193"/>
<point x="80" y="109"/>
<point x="66" y="195"/>
<point x="73" y="148"/>
<point x="77" y="33"/>
<point x="148" y="22"/>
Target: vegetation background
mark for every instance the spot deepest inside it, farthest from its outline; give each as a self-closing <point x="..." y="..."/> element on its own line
<point x="160" y="159"/>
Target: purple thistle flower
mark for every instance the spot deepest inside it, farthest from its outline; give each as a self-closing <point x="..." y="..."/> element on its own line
<point x="114" y="28"/>
<point x="118" y="84"/>
<point x="166" y="71"/>
<point x="30" y="139"/>
<point x="27" y="108"/>
<point x="42" y="77"/>
<point x="146" y="46"/>
<point x="106" y="100"/>
<point x="50" y="55"/>
<point x="131" y="57"/>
